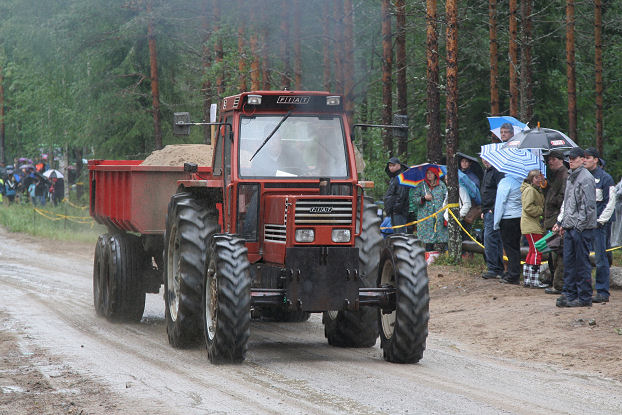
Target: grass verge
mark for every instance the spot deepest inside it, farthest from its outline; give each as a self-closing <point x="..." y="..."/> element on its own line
<point x="65" y="222"/>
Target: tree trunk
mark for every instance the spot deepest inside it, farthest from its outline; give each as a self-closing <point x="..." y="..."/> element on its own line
<point x="570" y="71"/>
<point x="526" y="100"/>
<point x="451" y="11"/>
<point x="434" y="147"/>
<point x="241" y="56"/>
<point x="255" y="81"/>
<point x="338" y="44"/>
<point x="513" y="47"/>
<point x="348" y="61"/>
<point x="297" y="47"/>
<point x="327" y="45"/>
<point x="220" y="87"/>
<point x="494" y="58"/>
<point x="387" y="63"/>
<point x="206" y="87"/>
<point x="155" y="87"/>
<point x="598" y="69"/>
<point x="287" y="70"/>
<point x="2" y="130"/>
<point x="400" y="60"/>
<point x="265" y="50"/>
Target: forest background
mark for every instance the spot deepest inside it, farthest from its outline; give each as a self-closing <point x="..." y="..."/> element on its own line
<point x="101" y="79"/>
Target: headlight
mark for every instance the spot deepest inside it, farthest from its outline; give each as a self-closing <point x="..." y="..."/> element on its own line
<point x="254" y="100"/>
<point x="333" y="100"/>
<point x="341" y="235"/>
<point x="305" y="235"/>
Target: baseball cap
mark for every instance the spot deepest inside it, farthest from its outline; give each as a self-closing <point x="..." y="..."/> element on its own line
<point x="394" y="160"/>
<point x="591" y="151"/>
<point x="557" y="154"/>
<point x="576" y="152"/>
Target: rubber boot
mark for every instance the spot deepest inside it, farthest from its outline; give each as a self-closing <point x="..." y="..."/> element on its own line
<point x="536" y="278"/>
<point x="526" y="275"/>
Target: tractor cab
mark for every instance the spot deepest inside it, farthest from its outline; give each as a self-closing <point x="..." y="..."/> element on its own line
<point x="289" y="172"/>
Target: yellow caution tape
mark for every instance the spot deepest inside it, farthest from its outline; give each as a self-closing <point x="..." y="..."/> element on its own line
<point x="74" y="205"/>
<point x="447" y="206"/>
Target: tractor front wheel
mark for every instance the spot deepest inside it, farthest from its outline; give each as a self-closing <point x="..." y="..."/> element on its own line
<point x="403" y="332"/>
<point x="188" y="226"/>
<point x="227" y="299"/>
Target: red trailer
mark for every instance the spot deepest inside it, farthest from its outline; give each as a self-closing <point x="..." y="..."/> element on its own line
<point x="277" y="227"/>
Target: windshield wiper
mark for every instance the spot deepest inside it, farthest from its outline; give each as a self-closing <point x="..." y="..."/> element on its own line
<point x="286" y="116"/>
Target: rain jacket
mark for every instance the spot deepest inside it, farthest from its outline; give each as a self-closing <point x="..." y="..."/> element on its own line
<point x="396" y="197"/>
<point x="488" y="188"/>
<point x="533" y="207"/>
<point x="579" y="208"/>
<point x="605" y="195"/>
<point x="508" y="202"/>
<point x="554" y="195"/>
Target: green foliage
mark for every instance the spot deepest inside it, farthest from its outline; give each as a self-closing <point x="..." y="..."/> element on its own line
<point x="77" y="72"/>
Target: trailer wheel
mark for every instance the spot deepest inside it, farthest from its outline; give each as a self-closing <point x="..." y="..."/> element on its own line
<point x="227" y="299"/>
<point x="359" y="328"/>
<point x="188" y="226"/>
<point x="100" y="274"/>
<point x="404" y="331"/>
<point x="118" y="290"/>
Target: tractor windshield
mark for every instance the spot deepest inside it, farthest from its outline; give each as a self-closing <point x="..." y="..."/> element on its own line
<point x="303" y="146"/>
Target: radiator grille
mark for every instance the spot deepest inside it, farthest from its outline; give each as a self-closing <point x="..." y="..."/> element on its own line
<point x="275" y="233"/>
<point x="324" y="212"/>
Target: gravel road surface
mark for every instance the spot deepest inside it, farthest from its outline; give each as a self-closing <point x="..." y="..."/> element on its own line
<point x="59" y="357"/>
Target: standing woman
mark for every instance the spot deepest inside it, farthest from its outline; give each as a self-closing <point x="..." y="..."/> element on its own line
<point x="531" y="226"/>
<point x="426" y="199"/>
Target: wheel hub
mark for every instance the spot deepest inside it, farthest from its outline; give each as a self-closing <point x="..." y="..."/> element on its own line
<point x="387" y="278"/>
<point x="173" y="277"/>
<point x="211" y="303"/>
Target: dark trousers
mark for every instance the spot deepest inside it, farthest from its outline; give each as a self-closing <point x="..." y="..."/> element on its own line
<point x="602" y="262"/>
<point x="510" y="236"/>
<point x="493" y="249"/>
<point x="577" y="267"/>
<point x="398" y="220"/>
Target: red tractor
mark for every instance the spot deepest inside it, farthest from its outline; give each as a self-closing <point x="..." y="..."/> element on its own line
<point x="278" y="227"/>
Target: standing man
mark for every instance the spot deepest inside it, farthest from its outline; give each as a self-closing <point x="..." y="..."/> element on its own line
<point x="493" y="247"/>
<point x="576" y="222"/>
<point x="605" y="206"/>
<point x="396" y="198"/>
<point x="553" y="198"/>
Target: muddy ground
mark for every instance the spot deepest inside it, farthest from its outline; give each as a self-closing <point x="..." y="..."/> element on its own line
<point x="468" y="315"/>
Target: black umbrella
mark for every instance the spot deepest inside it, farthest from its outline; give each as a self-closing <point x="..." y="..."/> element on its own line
<point x="475" y="166"/>
<point x="541" y="138"/>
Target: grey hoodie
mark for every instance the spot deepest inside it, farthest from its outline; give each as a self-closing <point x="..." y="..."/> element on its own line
<point x="579" y="208"/>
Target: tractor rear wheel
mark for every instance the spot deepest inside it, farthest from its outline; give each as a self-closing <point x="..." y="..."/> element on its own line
<point x="359" y="328"/>
<point x="118" y="289"/>
<point x="404" y="331"/>
<point x="227" y="299"/>
<point x="188" y="226"/>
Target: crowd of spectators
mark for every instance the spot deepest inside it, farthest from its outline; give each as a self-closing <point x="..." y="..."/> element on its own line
<point x="26" y="181"/>
<point x="575" y="203"/>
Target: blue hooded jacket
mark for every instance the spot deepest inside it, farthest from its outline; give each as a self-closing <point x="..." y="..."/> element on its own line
<point x="508" y="203"/>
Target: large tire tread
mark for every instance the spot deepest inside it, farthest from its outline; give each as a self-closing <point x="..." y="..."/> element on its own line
<point x="360" y="328"/>
<point x="194" y="224"/>
<point x="410" y="331"/>
<point x="228" y="254"/>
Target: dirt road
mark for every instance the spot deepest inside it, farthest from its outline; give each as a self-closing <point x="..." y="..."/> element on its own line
<point x="59" y="358"/>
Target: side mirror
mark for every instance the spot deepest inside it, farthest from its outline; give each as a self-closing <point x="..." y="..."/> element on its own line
<point x="213" y="108"/>
<point x="181" y="123"/>
<point x="400" y="121"/>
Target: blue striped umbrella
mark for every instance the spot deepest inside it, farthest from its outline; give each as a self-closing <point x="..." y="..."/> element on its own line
<point x="497" y="122"/>
<point x="513" y="161"/>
